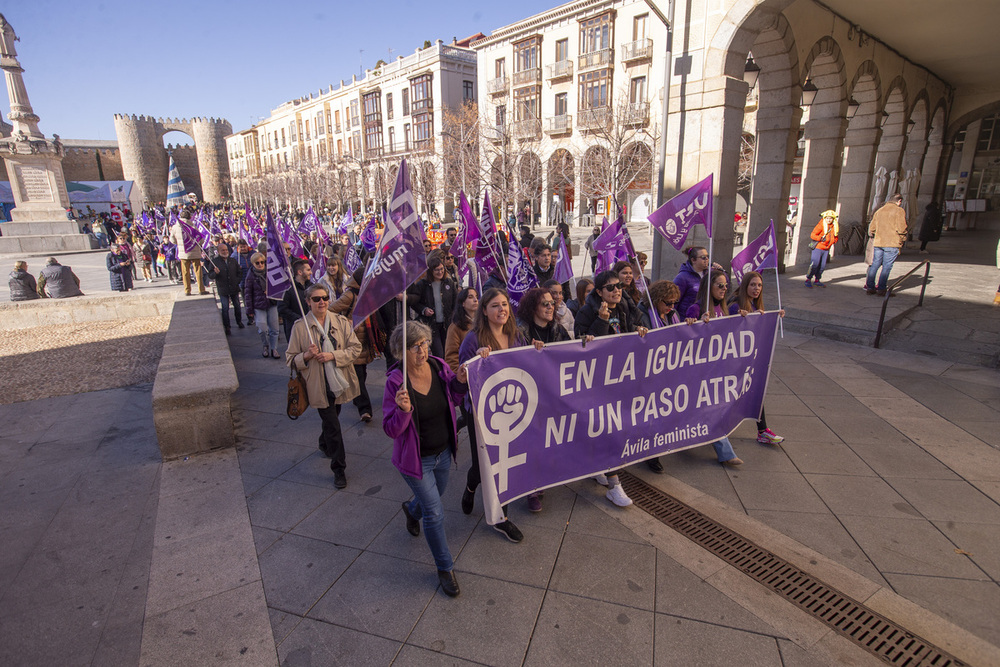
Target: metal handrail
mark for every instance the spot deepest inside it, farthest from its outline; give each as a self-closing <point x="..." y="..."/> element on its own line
<point x="888" y="293"/>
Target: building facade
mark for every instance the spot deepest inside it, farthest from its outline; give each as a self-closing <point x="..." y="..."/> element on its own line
<point x="570" y="102"/>
<point x="343" y="145"/>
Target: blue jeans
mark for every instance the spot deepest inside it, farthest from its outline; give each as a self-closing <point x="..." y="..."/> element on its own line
<point x="426" y="505"/>
<point x="817" y="263"/>
<point x="884" y="257"/>
<point x="224" y="301"/>
<point x="724" y="450"/>
<point x="267" y="326"/>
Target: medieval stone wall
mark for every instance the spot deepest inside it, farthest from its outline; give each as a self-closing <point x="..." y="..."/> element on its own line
<point x="92" y="164"/>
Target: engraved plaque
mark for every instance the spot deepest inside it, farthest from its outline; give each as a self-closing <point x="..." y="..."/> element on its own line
<point x="34" y="181"/>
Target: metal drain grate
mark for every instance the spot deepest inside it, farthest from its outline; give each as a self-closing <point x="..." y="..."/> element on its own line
<point x="866" y="628"/>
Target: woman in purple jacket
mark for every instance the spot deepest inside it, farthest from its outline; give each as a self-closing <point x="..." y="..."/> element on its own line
<point x="420" y="419"/>
<point x="265" y="310"/>
<point x="688" y="278"/>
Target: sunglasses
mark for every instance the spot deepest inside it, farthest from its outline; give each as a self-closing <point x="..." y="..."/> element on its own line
<point x="317" y="299"/>
<point x="613" y="288"/>
<point x="702" y="257"/>
<point x="547" y="304"/>
<point x="669" y="303"/>
<point x="259" y="263"/>
<point x="720" y="286"/>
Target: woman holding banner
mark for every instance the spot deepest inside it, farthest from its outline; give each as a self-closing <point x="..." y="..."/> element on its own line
<point x="631" y="296"/>
<point x="492" y="330"/>
<point x="711" y="304"/>
<point x="749" y="298"/>
<point x="664" y="295"/>
<point x="420" y="418"/>
<point x="604" y="314"/>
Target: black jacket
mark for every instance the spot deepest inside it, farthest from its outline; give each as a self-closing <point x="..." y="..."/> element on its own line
<point x="229" y="277"/>
<point x="554" y="333"/>
<point x="588" y="322"/>
<point x="289" y="307"/>
<point x="421" y="295"/>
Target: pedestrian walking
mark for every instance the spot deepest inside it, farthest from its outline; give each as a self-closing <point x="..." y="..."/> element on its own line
<point x="419" y="416"/>
<point x="887" y="232"/>
<point x="824" y="236"/>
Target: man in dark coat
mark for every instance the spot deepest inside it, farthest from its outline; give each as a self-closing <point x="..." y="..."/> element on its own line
<point x="226" y="273"/>
<point x="290" y="308"/>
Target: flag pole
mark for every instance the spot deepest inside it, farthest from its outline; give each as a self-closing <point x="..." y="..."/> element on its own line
<point x="403" y="360"/>
<point x="777" y="287"/>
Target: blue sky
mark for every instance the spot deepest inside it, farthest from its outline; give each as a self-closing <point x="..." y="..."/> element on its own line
<point x="86" y="61"/>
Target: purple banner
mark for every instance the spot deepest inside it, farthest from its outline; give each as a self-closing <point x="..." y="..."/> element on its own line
<point x="521" y="274"/>
<point x="761" y="253"/>
<point x="568" y="412"/>
<point x="399" y="259"/>
<point x="564" y="265"/>
<point x="612" y="245"/>
<point x="279" y="275"/>
<point x="369" y="237"/>
<point x="346" y="222"/>
<point x="352" y="262"/>
<point x="692" y="207"/>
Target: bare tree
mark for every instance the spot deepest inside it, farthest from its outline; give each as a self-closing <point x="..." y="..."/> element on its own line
<point x="619" y="165"/>
<point x="503" y="163"/>
<point x="460" y="148"/>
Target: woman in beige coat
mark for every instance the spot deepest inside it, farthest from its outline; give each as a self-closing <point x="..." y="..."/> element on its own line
<point x="323" y="348"/>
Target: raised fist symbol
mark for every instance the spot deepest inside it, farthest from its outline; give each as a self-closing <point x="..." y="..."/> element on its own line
<point x="506" y="408"/>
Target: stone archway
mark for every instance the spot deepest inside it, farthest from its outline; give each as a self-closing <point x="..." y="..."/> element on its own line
<point x="824" y="127"/>
<point x="860" y="142"/>
<point x="144" y="159"/>
<point x="562" y="184"/>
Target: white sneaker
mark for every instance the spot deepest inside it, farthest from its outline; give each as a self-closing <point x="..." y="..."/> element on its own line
<point x="616" y="494"/>
<point x="601" y="479"/>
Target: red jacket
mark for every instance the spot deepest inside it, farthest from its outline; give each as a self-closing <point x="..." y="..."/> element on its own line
<point x="817" y="235"/>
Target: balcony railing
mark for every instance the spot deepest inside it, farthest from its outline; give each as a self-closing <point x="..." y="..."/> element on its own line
<point x="528" y="76"/>
<point x="593" y="119"/>
<point x="637" y="50"/>
<point x="496" y="134"/>
<point x="636" y="113"/>
<point x="527" y="129"/>
<point x="602" y="58"/>
<point x="559" y="124"/>
<point x="560" y="70"/>
<point x="501" y="84"/>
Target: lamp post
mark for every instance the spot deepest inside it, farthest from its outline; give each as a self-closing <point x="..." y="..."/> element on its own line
<point x="668" y="22"/>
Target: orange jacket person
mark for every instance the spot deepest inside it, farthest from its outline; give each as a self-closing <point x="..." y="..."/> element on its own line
<point x="824" y="235"/>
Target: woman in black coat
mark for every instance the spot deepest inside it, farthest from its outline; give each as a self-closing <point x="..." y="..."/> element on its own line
<point x="433" y="299"/>
<point x="120" y="268"/>
<point x="930" y="227"/>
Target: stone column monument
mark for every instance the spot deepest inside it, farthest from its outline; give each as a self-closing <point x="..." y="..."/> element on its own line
<point x="34" y="165"/>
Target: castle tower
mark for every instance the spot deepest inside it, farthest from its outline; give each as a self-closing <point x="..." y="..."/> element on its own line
<point x="213" y="162"/>
<point x="140" y="142"/>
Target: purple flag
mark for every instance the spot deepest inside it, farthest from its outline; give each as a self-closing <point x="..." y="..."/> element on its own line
<point x="564" y="265"/>
<point x="369" y="237"/>
<point x="189" y="236"/>
<point x="347" y="222"/>
<point x="569" y="412"/>
<point x="612" y="245"/>
<point x="352" y="261"/>
<point x="691" y="207"/>
<point x="761" y="253"/>
<point x="279" y="275"/>
<point x="399" y="259"/>
<point x="252" y="225"/>
<point x="486" y="244"/>
<point x="308" y="223"/>
<point x="470" y="230"/>
<point x="521" y="274"/>
<point x="291" y="238"/>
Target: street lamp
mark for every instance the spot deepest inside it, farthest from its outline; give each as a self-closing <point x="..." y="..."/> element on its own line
<point x="809" y="91"/>
<point x="852" y="107"/>
<point x="751" y="71"/>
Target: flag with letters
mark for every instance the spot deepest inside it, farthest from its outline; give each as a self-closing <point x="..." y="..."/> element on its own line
<point x="692" y="207"/>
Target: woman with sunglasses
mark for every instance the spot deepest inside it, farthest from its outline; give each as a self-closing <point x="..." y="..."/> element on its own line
<point x="749" y="298"/>
<point x="420" y="419"/>
<point x="323" y="348"/>
<point x="665" y="295"/>
<point x="604" y="314"/>
<point x="493" y="329"/>
<point x="712" y="304"/>
<point x="265" y="309"/>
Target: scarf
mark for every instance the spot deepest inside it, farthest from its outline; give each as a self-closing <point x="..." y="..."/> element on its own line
<point x="334" y="376"/>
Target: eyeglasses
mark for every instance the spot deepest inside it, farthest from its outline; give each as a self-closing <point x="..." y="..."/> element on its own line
<point x="702" y="257"/>
<point x="259" y="263"/>
<point x="422" y="345"/>
<point x="547" y="304"/>
<point x="317" y="299"/>
<point x="613" y="288"/>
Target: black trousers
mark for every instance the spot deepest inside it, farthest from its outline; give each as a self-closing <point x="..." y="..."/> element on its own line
<point x="225" y="300"/>
<point x="474" y="479"/>
<point x="762" y="422"/>
<point x="331" y="440"/>
<point x="362" y="402"/>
